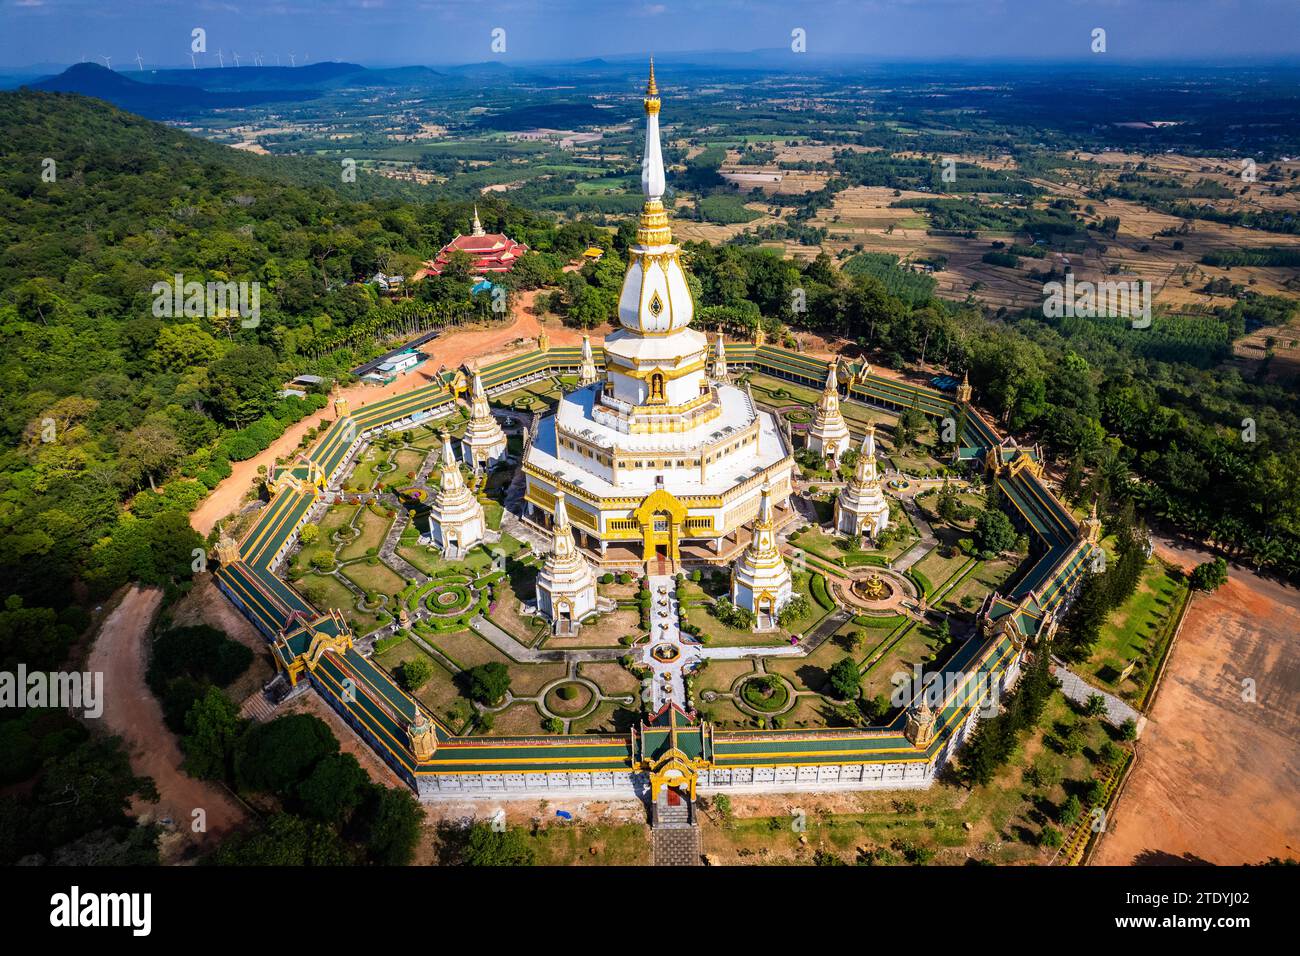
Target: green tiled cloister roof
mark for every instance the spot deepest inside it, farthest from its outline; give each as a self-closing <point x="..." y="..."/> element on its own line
<point x="370" y="698"/>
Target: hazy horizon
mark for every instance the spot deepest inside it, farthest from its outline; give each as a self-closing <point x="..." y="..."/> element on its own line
<point x="43" y="34"/>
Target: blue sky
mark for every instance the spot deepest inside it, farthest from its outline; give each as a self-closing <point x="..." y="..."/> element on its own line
<point x="460" y="31"/>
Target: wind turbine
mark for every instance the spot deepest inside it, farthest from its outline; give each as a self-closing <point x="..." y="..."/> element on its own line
<point x="221" y="60"/>
<point x="277" y="59"/>
<point x="292" y="62"/>
<point x="108" y="61"/>
<point x="257" y="58"/>
<point x="139" y="60"/>
<point x="236" y="56"/>
<point x="193" y="63"/>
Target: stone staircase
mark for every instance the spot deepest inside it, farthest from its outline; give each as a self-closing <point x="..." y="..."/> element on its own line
<point x="675" y="833"/>
<point x="256" y="707"/>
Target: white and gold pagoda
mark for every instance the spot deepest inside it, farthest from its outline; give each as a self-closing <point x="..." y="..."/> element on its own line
<point x="657" y="456"/>
<point x="455" y="515"/>
<point x="861" y="509"/>
<point x="828" y="436"/>
<point x="566" y="585"/>
<point x="719" y="372"/>
<point x="587" y="370"/>
<point x="760" y="580"/>
<point x="484" y="443"/>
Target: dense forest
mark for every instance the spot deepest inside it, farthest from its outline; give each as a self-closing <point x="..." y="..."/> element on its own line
<point x="116" y="421"/>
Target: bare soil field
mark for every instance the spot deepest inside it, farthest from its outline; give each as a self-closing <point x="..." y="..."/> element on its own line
<point x="132" y="712"/>
<point x="1218" y="773"/>
<point x="1252" y="349"/>
<point x="863" y="216"/>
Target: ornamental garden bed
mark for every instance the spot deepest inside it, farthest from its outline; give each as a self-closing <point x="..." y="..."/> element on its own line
<point x="766" y="693"/>
<point x="721" y="675"/>
<point x="964" y="599"/>
<point x="569" y="699"/>
<point x="719" y="635"/>
<point x="466" y="649"/>
<point x="373" y="527"/>
<point x="604" y="632"/>
<point x="527" y="680"/>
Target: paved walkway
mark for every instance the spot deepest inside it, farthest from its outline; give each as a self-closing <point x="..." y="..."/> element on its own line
<point x="736" y="653"/>
<point x="923" y="547"/>
<point x="1079" y="690"/>
<point x="676" y="846"/>
<point x="506" y="643"/>
<point x="665" y="628"/>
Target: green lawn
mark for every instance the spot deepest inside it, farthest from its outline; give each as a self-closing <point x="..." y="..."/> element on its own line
<point x="439" y="694"/>
<point x="373" y="577"/>
<point x="577" y="844"/>
<point x="1005" y="817"/>
<point x="373" y="528"/>
<point x="1139" y="631"/>
<point x="327" y="592"/>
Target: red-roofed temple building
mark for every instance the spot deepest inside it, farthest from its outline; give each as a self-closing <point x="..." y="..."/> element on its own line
<point x="492" y="252"/>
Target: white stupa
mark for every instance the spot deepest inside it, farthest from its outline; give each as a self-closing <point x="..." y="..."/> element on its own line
<point x="455" y="515"/>
<point x="829" y="436"/>
<point x="566" y="585"/>
<point x="661" y="462"/>
<point x="484" y="443"/>
<point x="760" y="580"/>
<point x="587" y="371"/>
<point x="719" y="370"/>
<point x="861" y="508"/>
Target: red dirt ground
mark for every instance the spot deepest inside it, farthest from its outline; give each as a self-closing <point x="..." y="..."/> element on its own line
<point x="1218" y="778"/>
<point x="132" y="712"/>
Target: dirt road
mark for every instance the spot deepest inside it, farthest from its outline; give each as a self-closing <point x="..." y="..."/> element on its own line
<point x="450" y="350"/>
<point x="1218" y="775"/>
<point x="131" y="712"/>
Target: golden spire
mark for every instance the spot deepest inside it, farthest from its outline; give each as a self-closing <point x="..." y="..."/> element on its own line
<point x="653" y="229"/>
<point x="652" y="91"/>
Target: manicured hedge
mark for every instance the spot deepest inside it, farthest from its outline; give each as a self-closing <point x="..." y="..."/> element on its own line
<point x="817" y="585"/>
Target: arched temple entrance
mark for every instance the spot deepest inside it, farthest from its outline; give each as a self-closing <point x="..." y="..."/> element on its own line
<point x="661" y="517"/>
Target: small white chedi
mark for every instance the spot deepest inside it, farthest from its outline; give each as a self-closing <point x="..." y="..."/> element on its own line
<point x="829" y="436"/>
<point x="566" y="585"/>
<point x="455" y="515"/>
<point x="861" y="509"/>
<point x="587" y="371"/>
<point x="760" y="580"/>
<point x="484" y="443"/>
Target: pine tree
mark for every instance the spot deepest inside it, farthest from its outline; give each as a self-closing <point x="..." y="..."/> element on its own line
<point x="1086" y="616"/>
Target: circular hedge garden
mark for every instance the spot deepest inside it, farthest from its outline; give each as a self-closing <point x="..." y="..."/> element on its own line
<point x="769" y="693"/>
<point x="449" y="599"/>
<point x="568" y="699"/>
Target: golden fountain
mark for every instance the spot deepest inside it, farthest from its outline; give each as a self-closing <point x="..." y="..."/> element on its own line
<point x="873" y="588"/>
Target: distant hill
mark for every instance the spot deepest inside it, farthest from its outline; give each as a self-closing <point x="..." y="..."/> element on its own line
<point x="313" y="76"/>
<point x="552" y="116"/>
<point x="159" y="100"/>
<point x="95" y="138"/>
